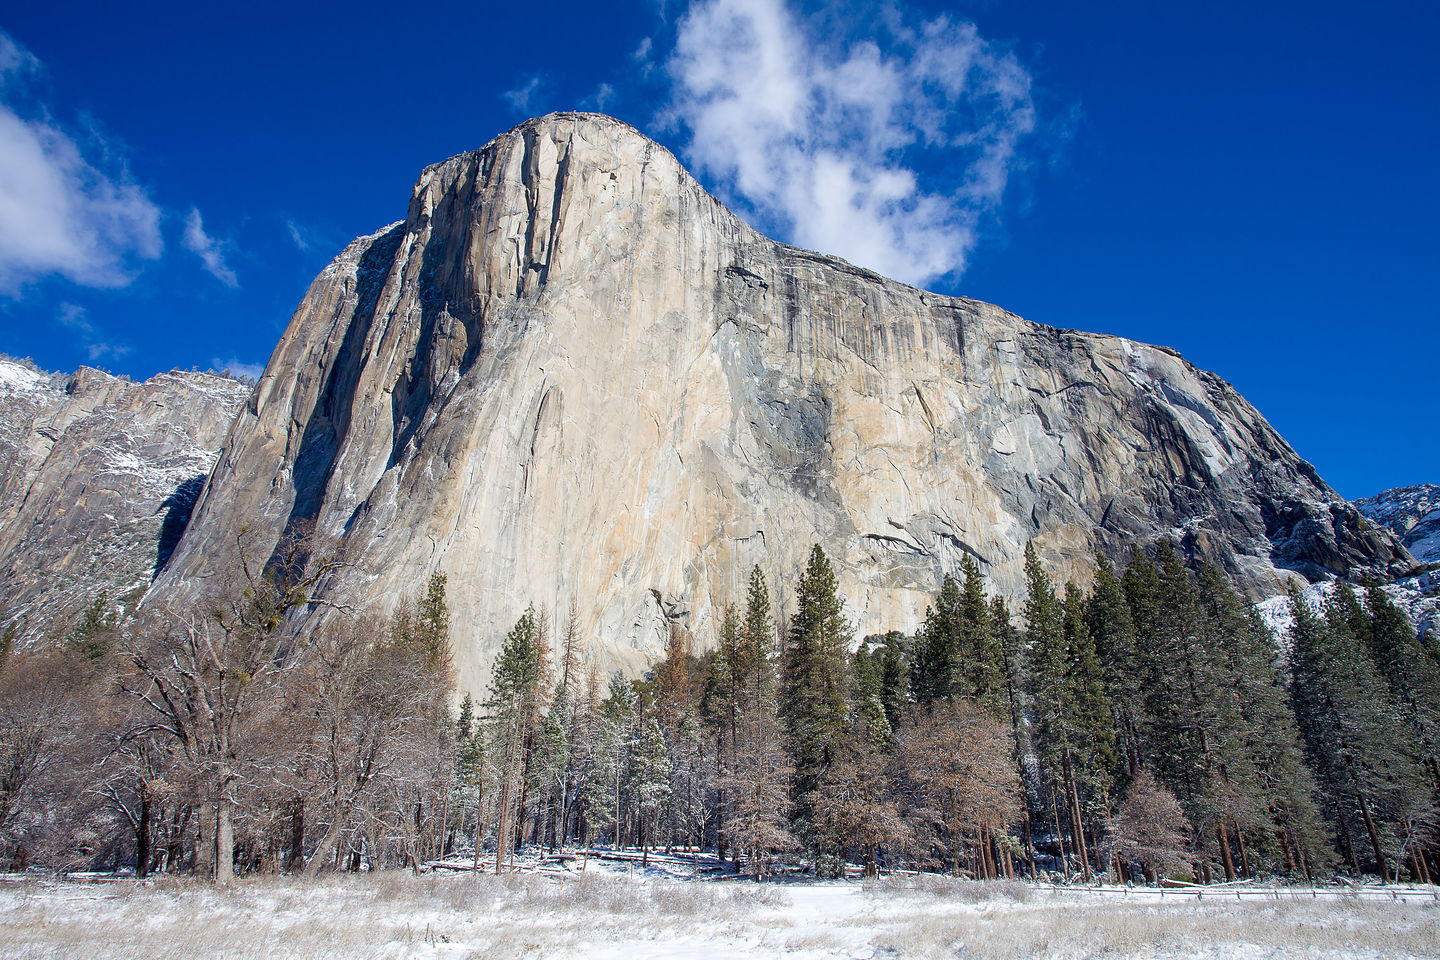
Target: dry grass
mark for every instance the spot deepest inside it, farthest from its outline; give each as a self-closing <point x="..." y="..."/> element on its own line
<point x="396" y="915"/>
<point x="1190" y="930"/>
<point x="386" y="915"/>
<point x="930" y="887"/>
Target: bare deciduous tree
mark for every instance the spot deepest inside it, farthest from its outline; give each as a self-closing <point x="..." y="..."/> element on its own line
<point x="960" y="757"/>
<point x="1150" y="828"/>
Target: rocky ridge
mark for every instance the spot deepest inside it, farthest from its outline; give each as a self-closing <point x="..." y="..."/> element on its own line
<point x="570" y="375"/>
<point x="98" y="474"/>
<point x="1412" y="514"/>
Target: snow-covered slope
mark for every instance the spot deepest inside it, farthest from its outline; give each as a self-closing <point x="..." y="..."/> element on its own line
<point x="1418" y="596"/>
<point x="1412" y="513"/>
<point x="97" y="477"/>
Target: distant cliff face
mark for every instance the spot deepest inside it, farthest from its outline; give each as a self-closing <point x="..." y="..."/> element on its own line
<point x="97" y="478"/>
<point x="572" y="376"/>
<point x="1412" y="514"/>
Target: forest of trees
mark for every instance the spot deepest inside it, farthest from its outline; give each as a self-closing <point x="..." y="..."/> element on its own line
<point x="1149" y="726"/>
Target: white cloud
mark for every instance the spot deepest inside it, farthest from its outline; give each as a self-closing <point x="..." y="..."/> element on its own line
<point x="207" y="248"/>
<point x="72" y="317"/>
<point x="885" y="150"/>
<point x="641" y="56"/>
<point x="66" y="209"/>
<point x="522" y="96"/>
<point x="238" y="368"/>
<point x="15" y="59"/>
<point x="602" y="97"/>
<point x="300" y="237"/>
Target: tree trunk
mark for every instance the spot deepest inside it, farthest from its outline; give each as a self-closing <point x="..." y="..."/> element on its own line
<point x="1374" y="840"/>
<point x="1222" y="838"/>
<point x="442" y="839"/>
<point x="479" y="820"/>
<point x="296" y="859"/>
<point x="224" y="837"/>
<point x="142" y="835"/>
<point x="1030" y="840"/>
<point x="502" y="822"/>
<point x="1059" y="840"/>
<point x="1077" y="827"/>
<point x="328" y="842"/>
<point x="205" y="840"/>
<point x="1347" y="846"/>
<point x="1289" y="852"/>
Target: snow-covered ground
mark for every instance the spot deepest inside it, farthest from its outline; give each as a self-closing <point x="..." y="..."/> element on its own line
<point x="606" y="910"/>
<point x="1417" y="596"/>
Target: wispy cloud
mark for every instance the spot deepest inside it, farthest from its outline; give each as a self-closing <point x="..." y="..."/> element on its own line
<point x="15" y="60"/>
<point x="299" y="236"/>
<point x="208" y="249"/>
<point x="238" y="368"/>
<point x="885" y="146"/>
<point x="603" y="96"/>
<point x="73" y="318"/>
<point x="68" y="206"/>
<point x="523" y="97"/>
<point x="642" y="57"/>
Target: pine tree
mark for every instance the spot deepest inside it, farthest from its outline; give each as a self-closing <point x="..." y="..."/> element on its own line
<point x="1259" y="784"/>
<point x="1411" y="674"/>
<point x="757" y="778"/>
<point x="894" y="676"/>
<point x="1051" y="686"/>
<point x="1352" y="733"/>
<point x="721" y="707"/>
<point x="937" y="658"/>
<point x="1113" y="629"/>
<point x="867" y="703"/>
<point x="90" y="638"/>
<point x="1012" y="648"/>
<point x="512" y="714"/>
<point x="550" y="764"/>
<point x="432" y="627"/>
<point x="614" y="746"/>
<point x="981" y="668"/>
<point x="813" y="703"/>
<point x="649" y="780"/>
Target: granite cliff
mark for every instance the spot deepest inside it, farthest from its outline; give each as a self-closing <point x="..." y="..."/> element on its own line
<point x="570" y="375"/>
<point x="1412" y="514"/>
<point x="97" y="478"/>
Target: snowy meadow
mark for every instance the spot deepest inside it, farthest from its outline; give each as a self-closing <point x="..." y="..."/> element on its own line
<point x="605" y="912"/>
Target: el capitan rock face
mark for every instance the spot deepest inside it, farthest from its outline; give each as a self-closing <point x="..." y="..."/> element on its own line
<point x="97" y="477"/>
<point x="570" y="375"/>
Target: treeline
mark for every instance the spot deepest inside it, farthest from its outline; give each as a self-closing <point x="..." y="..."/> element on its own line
<point x="215" y="738"/>
<point x="1150" y="726"/>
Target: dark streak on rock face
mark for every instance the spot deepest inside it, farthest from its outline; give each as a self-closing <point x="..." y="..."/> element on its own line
<point x="177" y="509"/>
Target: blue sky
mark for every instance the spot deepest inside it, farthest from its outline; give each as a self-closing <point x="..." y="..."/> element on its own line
<point x="1256" y="188"/>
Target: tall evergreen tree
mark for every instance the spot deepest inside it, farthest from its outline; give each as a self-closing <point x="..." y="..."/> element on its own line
<point x="815" y="685"/>
<point x="1060" y="696"/>
<point x="512" y="713"/>
<point x="605" y="789"/>
<point x="1411" y="674"/>
<point x="649" y="779"/>
<point x="937" y="650"/>
<point x="1352" y="733"/>
<point x="1113" y="629"/>
<point x="980" y="673"/>
<point x="1259" y="787"/>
